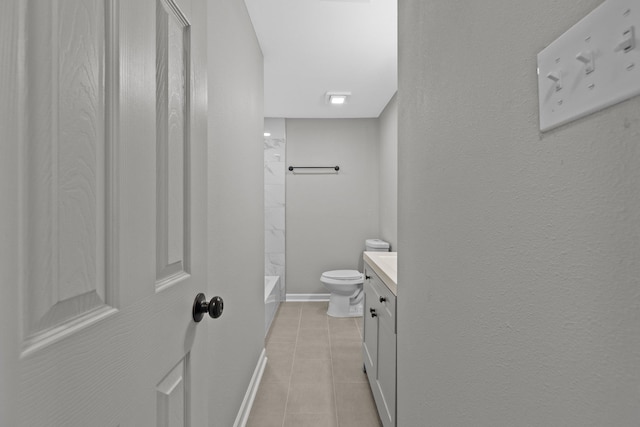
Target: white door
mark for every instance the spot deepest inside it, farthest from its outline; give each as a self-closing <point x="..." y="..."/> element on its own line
<point x="104" y="199"/>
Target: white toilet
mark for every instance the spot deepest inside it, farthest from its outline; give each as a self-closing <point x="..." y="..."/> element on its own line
<point x="346" y="285"/>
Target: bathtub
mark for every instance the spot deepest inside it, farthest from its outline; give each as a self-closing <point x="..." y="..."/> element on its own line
<point x="271" y="300"/>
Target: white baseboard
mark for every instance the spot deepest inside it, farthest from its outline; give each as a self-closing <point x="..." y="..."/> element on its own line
<point x="308" y="297"/>
<point x="250" y="395"/>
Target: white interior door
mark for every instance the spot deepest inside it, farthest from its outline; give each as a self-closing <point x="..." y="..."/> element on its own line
<point x="108" y="196"/>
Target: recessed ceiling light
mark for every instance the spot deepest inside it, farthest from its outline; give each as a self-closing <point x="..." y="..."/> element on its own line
<point x="337" y="98"/>
<point x="267" y="134"/>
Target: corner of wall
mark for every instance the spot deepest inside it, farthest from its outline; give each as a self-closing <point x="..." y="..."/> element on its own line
<point x="388" y="172"/>
<point x="235" y="204"/>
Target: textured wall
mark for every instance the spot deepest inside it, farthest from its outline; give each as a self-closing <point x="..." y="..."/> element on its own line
<point x="329" y="215"/>
<point x="518" y="301"/>
<point x="236" y="205"/>
<point x="388" y="122"/>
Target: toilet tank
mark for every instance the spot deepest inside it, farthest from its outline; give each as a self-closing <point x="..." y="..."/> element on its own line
<point x="376" y="245"/>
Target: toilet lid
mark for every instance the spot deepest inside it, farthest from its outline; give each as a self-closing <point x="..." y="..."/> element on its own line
<point x="342" y="274"/>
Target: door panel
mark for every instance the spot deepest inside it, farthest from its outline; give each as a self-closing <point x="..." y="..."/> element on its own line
<point x="111" y="213"/>
<point x="10" y="82"/>
<point x="172" y="90"/>
<point x="173" y="398"/>
<point x="64" y="171"/>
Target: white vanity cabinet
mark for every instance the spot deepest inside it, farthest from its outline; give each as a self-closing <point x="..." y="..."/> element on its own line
<point x="379" y="344"/>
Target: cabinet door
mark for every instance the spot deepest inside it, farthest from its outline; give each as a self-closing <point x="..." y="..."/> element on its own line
<point x="386" y="381"/>
<point x="370" y="342"/>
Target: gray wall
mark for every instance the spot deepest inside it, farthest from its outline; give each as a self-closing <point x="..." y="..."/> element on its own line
<point x="329" y="215"/>
<point x="518" y="300"/>
<point x="236" y="205"/>
<point x="388" y="125"/>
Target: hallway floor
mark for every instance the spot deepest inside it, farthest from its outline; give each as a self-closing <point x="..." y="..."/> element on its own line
<point x="313" y="376"/>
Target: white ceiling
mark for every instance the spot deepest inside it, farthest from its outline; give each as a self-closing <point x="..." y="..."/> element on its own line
<point x="311" y="47"/>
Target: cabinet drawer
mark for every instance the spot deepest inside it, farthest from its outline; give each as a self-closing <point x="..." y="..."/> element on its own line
<point x="385" y="302"/>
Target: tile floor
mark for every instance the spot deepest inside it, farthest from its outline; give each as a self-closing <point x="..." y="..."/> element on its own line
<point x="313" y="376"/>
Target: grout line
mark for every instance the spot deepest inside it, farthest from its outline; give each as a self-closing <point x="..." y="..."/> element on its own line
<point x="295" y="347"/>
<point x="333" y="378"/>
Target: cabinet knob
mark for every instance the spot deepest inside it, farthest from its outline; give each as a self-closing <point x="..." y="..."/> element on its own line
<point x="367" y="277"/>
<point x="373" y="312"/>
<point x="382" y="299"/>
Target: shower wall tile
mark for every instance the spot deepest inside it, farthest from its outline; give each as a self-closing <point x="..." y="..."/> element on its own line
<point x="274" y="173"/>
<point x="274" y="150"/>
<point x="274" y="203"/>
<point x="273" y="264"/>
<point x="274" y="218"/>
<point x="274" y="195"/>
<point x="274" y="241"/>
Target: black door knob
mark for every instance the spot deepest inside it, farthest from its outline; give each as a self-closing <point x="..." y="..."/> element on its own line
<point x="201" y="307"/>
<point x="373" y="312"/>
<point x="382" y="299"/>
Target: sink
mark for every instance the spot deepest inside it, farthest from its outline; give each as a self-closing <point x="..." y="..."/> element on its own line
<point x="390" y="261"/>
<point x="386" y="266"/>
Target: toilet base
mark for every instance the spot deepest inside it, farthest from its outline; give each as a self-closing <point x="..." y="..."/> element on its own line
<point x="340" y="306"/>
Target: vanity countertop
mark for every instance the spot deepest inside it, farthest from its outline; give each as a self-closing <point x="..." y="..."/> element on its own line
<point x="385" y="264"/>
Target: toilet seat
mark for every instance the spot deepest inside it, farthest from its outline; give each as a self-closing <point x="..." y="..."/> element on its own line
<point x="342" y="277"/>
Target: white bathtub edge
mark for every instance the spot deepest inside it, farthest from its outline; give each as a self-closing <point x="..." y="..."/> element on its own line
<point x="271" y="300"/>
<point x="270" y="284"/>
<point x="250" y="395"/>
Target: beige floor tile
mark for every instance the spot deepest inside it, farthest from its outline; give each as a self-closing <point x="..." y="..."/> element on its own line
<point x="354" y="398"/>
<point x="346" y="349"/>
<point x="369" y="419"/>
<point x="277" y="371"/>
<point x="348" y="370"/>
<point x="315" y="310"/>
<point x="270" y="400"/>
<point x="286" y="322"/>
<point x="310" y="420"/>
<point x="311" y="371"/>
<point x="315" y="306"/>
<point x="290" y="305"/>
<point x="346" y="333"/>
<point x="318" y="336"/>
<point x="314" y="322"/>
<point x="289" y="319"/>
<point x="312" y="350"/>
<point x="341" y="322"/>
<point x="282" y="334"/>
<point x="287" y="310"/>
<point x="311" y="399"/>
<point x="265" y="420"/>
<point x="278" y="350"/>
